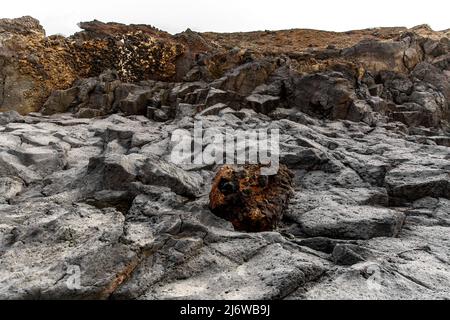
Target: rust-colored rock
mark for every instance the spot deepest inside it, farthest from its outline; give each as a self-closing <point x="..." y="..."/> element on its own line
<point x="250" y="201"/>
<point x="33" y="65"/>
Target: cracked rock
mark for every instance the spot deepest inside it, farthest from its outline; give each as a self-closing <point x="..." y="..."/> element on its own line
<point x="250" y="201"/>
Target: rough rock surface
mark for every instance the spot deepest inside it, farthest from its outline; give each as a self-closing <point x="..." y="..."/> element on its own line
<point x="248" y="199"/>
<point x="88" y="190"/>
<point x="34" y="65"/>
<point x="79" y="192"/>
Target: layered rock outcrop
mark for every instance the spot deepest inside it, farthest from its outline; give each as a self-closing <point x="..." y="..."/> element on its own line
<point x="407" y="69"/>
<point x="34" y="65"/>
<point x="92" y="205"/>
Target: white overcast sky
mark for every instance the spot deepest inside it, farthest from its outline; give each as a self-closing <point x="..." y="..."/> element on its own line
<point x="174" y="16"/>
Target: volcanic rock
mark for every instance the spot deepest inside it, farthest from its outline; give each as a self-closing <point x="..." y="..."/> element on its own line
<point x="346" y="222"/>
<point x="250" y="201"/>
<point x="88" y="188"/>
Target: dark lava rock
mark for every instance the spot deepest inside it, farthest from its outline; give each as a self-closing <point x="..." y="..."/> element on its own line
<point x="347" y="255"/>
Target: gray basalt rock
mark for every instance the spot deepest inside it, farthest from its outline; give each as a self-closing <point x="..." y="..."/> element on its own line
<point x="244" y="79"/>
<point x="65" y="240"/>
<point x="215" y="96"/>
<point x="350" y="222"/>
<point x="363" y="129"/>
<point x="10" y="187"/>
<point x="43" y="160"/>
<point x="171" y="246"/>
<point x="115" y="171"/>
<point x="161" y="173"/>
<point x="10" y="116"/>
<point x="409" y="183"/>
<point x="60" y="101"/>
<point x="135" y="102"/>
<point x="397" y="55"/>
<point x="10" y="165"/>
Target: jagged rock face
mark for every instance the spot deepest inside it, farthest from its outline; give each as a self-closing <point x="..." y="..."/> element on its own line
<point x="400" y="56"/>
<point x="250" y="201"/>
<point x="343" y="85"/>
<point x="101" y="195"/>
<point x="325" y="96"/>
<point x="359" y="209"/>
<point x="34" y="65"/>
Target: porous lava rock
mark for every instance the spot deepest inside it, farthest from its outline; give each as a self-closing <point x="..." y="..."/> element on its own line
<point x="249" y="200"/>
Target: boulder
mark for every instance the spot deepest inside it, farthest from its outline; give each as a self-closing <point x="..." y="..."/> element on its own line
<point x="358" y="111"/>
<point x="42" y="160"/>
<point x="86" y="113"/>
<point x="412" y="182"/>
<point x="250" y="201"/>
<point x="185" y="110"/>
<point x="157" y="114"/>
<point x="263" y="103"/>
<point x="10" y="116"/>
<point x="305" y="158"/>
<point x="245" y="78"/>
<point x="412" y="57"/>
<point x="397" y="86"/>
<point x="347" y="254"/>
<point x="158" y="172"/>
<point x="397" y="55"/>
<point x="11" y="165"/>
<point x="216" y="96"/>
<point x="438" y="79"/>
<point x="352" y="222"/>
<point x="115" y="171"/>
<point x="136" y="102"/>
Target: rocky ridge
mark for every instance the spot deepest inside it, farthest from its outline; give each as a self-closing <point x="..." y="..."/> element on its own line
<point x="88" y="180"/>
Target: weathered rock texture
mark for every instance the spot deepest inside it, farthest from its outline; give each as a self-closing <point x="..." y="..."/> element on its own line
<point x="249" y="200"/>
<point x="88" y="184"/>
<point x="34" y="65"/>
<point x="397" y="64"/>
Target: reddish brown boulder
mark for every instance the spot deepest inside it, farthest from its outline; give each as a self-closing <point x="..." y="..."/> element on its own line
<point x="250" y="201"/>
